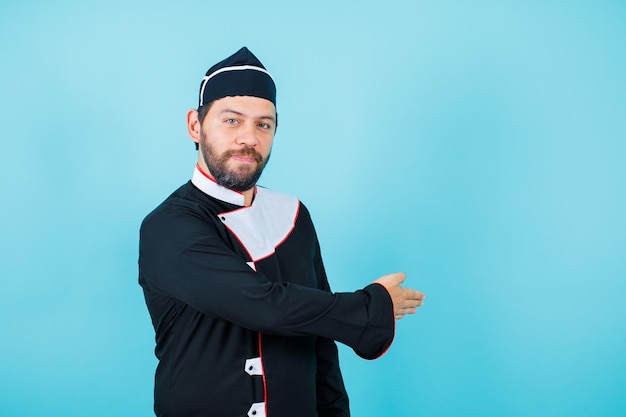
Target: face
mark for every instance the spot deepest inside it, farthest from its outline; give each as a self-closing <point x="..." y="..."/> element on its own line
<point x="235" y="140"/>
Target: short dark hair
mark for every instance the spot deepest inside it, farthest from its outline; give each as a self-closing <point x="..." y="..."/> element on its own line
<point x="202" y="111"/>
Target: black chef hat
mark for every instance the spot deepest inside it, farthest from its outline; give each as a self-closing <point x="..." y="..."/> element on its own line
<point x="241" y="74"/>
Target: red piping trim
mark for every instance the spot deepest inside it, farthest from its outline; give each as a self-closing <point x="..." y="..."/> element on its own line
<point x="263" y="375"/>
<point x="293" y="226"/>
<point x="213" y="179"/>
<point x="204" y="173"/>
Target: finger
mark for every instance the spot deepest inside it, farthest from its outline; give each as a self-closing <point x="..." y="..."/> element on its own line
<point x="417" y="295"/>
<point x="405" y="311"/>
<point x="408" y="304"/>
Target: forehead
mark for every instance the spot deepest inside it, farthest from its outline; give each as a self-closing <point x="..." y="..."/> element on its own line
<point x="246" y="105"/>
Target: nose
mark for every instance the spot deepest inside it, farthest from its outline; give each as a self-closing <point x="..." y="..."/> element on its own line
<point x="248" y="135"/>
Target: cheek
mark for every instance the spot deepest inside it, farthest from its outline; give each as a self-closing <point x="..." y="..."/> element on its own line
<point x="267" y="144"/>
<point x="266" y="151"/>
<point x="217" y="140"/>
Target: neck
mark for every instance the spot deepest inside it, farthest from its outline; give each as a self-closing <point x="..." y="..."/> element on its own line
<point x="248" y="196"/>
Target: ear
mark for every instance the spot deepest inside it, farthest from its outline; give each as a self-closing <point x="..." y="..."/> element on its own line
<point x="193" y="125"/>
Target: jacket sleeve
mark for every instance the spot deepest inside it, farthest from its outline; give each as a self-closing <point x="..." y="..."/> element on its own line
<point x="182" y="256"/>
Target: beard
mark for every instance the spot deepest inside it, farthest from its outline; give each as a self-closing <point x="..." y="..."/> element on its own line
<point x="241" y="177"/>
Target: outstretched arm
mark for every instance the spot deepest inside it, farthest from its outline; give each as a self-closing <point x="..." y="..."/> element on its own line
<point x="184" y="259"/>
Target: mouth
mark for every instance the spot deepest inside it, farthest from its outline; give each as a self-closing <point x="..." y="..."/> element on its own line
<point x="247" y="156"/>
<point x="244" y="159"/>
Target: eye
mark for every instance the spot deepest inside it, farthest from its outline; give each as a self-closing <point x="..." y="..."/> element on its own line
<point x="264" y="125"/>
<point x="231" y="121"/>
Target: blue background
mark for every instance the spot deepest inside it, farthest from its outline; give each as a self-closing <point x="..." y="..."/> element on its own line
<point x="477" y="146"/>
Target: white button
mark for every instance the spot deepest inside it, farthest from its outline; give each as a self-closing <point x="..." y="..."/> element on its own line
<point x="254" y="367"/>
<point x="257" y="410"/>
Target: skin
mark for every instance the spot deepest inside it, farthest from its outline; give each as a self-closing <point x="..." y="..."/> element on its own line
<point x="405" y="300"/>
<point x="237" y="124"/>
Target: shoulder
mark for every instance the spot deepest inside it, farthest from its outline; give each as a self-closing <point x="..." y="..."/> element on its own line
<point x="185" y="208"/>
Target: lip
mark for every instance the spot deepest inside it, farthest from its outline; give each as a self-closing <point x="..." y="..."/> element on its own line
<point x="244" y="159"/>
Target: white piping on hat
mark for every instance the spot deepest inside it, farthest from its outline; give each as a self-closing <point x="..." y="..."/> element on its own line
<point x="235" y="68"/>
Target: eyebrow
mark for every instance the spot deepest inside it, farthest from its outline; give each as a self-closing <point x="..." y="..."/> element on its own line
<point x="272" y="118"/>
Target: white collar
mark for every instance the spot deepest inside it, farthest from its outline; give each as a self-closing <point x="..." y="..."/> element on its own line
<point x="208" y="186"/>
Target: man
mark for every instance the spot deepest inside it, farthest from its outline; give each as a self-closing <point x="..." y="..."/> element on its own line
<point x="233" y="278"/>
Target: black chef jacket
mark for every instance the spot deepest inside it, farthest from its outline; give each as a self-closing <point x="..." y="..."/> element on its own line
<point x="244" y="318"/>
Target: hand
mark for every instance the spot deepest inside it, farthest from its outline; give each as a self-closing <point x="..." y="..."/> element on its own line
<point x="405" y="300"/>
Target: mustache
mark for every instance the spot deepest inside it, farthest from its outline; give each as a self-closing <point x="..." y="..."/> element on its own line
<point x="244" y="152"/>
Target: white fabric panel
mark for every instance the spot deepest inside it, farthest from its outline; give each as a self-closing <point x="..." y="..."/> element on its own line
<point x="213" y="189"/>
<point x="264" y="225"/>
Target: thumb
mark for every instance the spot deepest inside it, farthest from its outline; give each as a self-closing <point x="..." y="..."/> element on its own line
<point x="400" y="277"/>
<point x="396" y="278"/>
<point x="391" y="280"/>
